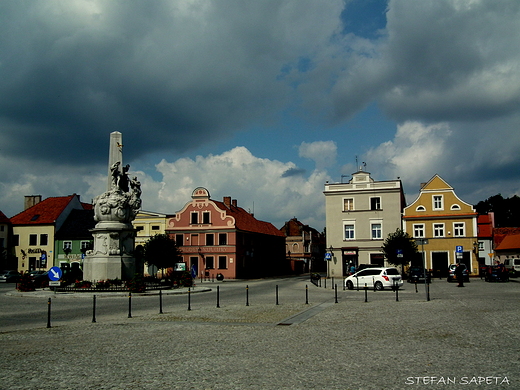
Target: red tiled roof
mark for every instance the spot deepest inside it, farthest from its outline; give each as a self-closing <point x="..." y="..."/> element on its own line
<point x="246" y="222"/>
<point x="485" y="226"/>
<point x="3" y="218"/>
<point x="509" y="242"/>
<point x="45" y="212"/>
<point x="499" y="234"/>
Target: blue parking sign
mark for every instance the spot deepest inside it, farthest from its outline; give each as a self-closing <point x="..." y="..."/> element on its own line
<point x="459" y="249"/>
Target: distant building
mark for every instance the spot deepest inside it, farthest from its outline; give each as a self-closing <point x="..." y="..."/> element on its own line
<point x="5" y="245"/>
<point x="35" y="228"/>
<point x="447" y="224"/>
<point x="221" y="237"/>
<point x="304" y="247"/>
<point x="148" y="224"/>
<point x="360" y="214"/>
<point x="507" y="243"/>
<point x="486" y="225"/>
<point x="73" y="239"/>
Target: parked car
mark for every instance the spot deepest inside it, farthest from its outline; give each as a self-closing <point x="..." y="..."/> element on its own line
<point x="9" y="276"/>
<point x="377" y="278"/>
<point x="512" y="266"/>
<point x="417" y="275"/>
<point x="451" y="272"/>
<point x="496" y="274"/>
<point x="41" y="279"/>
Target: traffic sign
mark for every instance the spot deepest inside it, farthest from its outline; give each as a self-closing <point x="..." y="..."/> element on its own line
<point x="459" y="249"/>
<point x="55" y="273"/>
<point x="328" y="256"/>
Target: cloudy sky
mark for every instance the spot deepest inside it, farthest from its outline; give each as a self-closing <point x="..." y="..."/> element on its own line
<point x="263" y="101"/>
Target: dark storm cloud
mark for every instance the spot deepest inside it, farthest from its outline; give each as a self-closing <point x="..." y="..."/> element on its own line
<point x="169" y="74"/>
<point x="452" y="60"/>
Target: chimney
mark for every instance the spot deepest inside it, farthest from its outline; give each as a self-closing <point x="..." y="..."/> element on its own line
<point x="234" y="202"/>
<point x="227" y="201"/>
<point x="31" y="200"/>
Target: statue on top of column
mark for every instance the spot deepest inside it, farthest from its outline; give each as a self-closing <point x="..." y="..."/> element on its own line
<point x="122" y="201"/>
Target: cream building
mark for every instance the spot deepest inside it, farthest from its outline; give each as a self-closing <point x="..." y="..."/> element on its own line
<point x="359" y="216"/>
<point x="149" y="224"/>
<point x="445" y="224"/>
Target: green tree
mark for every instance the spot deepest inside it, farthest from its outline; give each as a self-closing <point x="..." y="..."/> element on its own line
<point x="399" y="248"/>
<point x="161" y="251"/>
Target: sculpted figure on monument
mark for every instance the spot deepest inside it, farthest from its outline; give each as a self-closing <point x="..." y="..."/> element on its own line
<point x="118" y="204"/>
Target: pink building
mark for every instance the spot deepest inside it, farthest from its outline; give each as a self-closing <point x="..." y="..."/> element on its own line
<point x="220" y="237"/>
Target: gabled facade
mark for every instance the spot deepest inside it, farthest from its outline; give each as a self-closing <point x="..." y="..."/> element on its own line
<point x="359" y="216"/>
<point x="304" y="247"/>
<point x="447" y="224"/>
<point x="220" y="237"/>
<point x="34" y="230"/>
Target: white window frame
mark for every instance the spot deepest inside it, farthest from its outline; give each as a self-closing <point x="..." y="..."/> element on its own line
<point x="457" y="229"/>
<point x="439" y="230"/>
<point x="373" y="230"/>
<point x="353" y="230"/>
<point x="350" y="204"/>
<point x="438" y="202"/>
<point x="419" y="230"/>
<point x="67" y="245"/>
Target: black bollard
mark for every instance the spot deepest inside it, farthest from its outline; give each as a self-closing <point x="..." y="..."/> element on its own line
<point x="396" y="292"/>
<point x="49" y="313"/>
<point x="333" y="283"/>
<point x="325" y="284"/>
<point x="277" y="303"/>
<point x="336" y="293"/>
<point x="247" y="295"/>
<point x="189" y="298"/>
<point x="94" y="309"/>
<point x="130" y="305"/>
<point x="306" y="294"/>
<point x="366" y="293"/>
<point x="160" y="302"/>
<point x="427" y="291"/>
<point x="218" y="296"/>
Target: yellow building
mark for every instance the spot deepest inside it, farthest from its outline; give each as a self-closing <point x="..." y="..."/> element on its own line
<point x="149" y="224"/>
<point x="444" y="227"/>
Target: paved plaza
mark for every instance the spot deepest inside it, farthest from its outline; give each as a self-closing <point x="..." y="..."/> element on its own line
<point x="463" y="338"/>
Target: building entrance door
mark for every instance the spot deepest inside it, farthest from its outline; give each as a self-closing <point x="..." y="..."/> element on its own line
<point x="440" y="264"/>
<point x="350" y="259"/>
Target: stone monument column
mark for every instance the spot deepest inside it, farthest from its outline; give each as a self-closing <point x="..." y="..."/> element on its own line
<point x="114" y="211"/>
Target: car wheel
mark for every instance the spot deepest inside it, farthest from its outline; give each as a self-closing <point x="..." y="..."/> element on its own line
<point x="350" y="285"/>
<point x="378" y="286"/>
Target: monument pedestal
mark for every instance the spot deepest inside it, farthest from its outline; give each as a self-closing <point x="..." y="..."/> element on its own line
<point x="111" y="257"/>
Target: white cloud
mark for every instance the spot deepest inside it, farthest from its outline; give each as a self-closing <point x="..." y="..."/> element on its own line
<point x="415" y="154"/>
<point x="258" y="184"/>
<point x="323" y="153"/>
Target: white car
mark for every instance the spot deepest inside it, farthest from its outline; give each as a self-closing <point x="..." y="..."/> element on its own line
<point x="376" y="278"/>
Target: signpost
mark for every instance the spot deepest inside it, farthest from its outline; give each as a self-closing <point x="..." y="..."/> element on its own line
<point x="459" y="252"/>
<point x="55" y="274"/>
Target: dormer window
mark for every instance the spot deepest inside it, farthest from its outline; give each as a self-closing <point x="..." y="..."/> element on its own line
<point x="438" y="203"/>
<point x="35" y="217"/>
